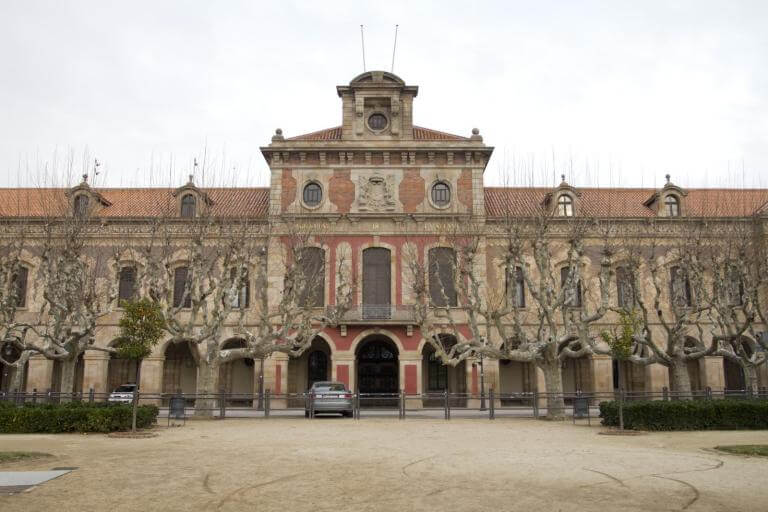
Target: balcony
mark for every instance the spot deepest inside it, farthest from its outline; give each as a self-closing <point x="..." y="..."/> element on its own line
<point x="380" y="314"/>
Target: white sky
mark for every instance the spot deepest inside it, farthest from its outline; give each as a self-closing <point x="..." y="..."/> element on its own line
<point x="616" y="93"/>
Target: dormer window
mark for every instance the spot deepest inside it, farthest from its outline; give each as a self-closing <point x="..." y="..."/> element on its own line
<point x="81" y="206"/>
<point x="564" y="206"/>
<point x="188" y="205"/>
<point x="672" y="206"/>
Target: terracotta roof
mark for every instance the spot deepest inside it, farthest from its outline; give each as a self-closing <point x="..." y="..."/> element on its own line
<point x="131" y="202"/>
<point x="627" y="202"/>
<point x="327" y="134"/>
<point x="419" y="133"/>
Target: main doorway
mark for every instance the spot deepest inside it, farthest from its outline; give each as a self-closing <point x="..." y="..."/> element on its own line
<point x="377" y="370"/>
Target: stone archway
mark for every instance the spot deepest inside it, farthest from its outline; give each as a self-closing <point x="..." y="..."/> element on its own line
<point x="377" y="364"/>
<point x="179" y="369"/>
<point x="312" y="366"/>
<point x="236" y="377"/>
<point x="438" y="377"/>
<point x="120" y="370"/>
<point x="577" y="375"/>
<point x="516" y="377"/>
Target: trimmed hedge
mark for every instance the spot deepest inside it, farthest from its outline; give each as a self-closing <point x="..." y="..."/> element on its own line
<point x="726" y="414"/>
<point x="72" y="417"/>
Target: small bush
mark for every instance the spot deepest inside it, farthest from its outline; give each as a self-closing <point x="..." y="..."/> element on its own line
<point x="73" y="417"/>
<point x="688" y="414"/>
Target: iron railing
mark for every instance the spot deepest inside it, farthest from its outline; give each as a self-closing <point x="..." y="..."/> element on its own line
<point x="390" y="312"/>
<point x="418" y="405"/>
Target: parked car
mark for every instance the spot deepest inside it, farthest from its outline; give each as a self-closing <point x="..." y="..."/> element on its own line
<point x="122" y="394"/>
<point x="330" y="397"/>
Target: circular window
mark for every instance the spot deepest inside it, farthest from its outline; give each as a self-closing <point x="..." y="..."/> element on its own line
<point x="313" y="194"/>
<point x="441" y="194"/>
<point x="377" y="122"/>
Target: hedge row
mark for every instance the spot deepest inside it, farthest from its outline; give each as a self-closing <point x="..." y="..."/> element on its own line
<point x="688" y="414"/>
<point x="72" y="417"/>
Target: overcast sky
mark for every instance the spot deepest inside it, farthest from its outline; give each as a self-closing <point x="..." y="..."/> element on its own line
<point x="612" y="93"/>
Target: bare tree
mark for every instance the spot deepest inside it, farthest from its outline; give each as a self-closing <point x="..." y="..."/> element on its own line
<point x="546" y="256"/>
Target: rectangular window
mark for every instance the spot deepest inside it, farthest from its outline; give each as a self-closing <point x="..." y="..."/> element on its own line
<point x="573" y="293"/>
<point x="180" y="287"/>
<point x="20" y="282"/>
<point x="624" y="289"/>
<point x="442" y="272"/>
<point x="312" y="278"/>
<point x="242" y="298"/>
<point x="127" y="284"/>
<point x="515" y="284"/>
<point x="680" y="288"/>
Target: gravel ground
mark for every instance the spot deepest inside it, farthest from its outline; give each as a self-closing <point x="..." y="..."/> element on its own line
<point x="385" y="464"/>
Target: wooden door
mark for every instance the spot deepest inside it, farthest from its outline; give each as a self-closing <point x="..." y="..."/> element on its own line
<point x="377" y="290"/>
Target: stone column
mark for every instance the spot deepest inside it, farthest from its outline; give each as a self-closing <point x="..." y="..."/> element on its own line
<point x="276" y="379"/>
<point x="96" y="368"/>
<point x="411" y="378"/>
<point x="39" y="374"/>
<point x="602" y="376"/>
<point x="657" y="378"/>
<point x="152" y="378"/>
<point x="714" y="373"/>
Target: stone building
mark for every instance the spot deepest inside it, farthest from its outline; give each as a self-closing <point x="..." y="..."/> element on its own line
<point x="373" y="184"/>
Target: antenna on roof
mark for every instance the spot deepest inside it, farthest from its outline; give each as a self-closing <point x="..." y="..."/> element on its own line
<point x="362" y="43"/>
<point x="96" y="165"/>
<point x="394" y="48"/>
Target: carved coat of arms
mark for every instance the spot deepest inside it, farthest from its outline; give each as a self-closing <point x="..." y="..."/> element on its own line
<point x="376" y="193"/>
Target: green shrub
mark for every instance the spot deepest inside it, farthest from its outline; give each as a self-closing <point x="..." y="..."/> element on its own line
<point x="73" y="417"/>
<point x="688" y="414"/>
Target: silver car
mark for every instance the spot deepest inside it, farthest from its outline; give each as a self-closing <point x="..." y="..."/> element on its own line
<point x="122" y="394"/>
<point x="330" y="397"/>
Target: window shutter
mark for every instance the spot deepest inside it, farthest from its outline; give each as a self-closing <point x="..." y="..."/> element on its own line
<point x="179" y="285"/>
<point x="127" y="283"/>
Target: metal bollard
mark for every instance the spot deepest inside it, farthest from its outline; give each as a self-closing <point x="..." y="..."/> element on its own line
<point x="491" y="405"/>
<point x="446" y="405"/>
<point x="400" y="405"/>
<point x="266" y="403"/>
<point x="222" y="404"/>
<point x="34" y="395"/>
<point x="665" y="393"/>
<point x="311" y="405"/>
<point x="536" y="404"/>
<point x="90" y="395"/>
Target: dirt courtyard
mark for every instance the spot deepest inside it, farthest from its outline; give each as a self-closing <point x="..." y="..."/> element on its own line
<point x="385" y="464"/>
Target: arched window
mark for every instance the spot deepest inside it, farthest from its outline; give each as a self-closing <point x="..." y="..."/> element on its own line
<point x="437" y="373"/>
<point x="680" y="287"/>
<point x="20" y="283"/>
<point x="312" y="278"/>
<point x="242" y="298"/>
<point x="180" y="291"/>
<point x="188" y="206"/>
<point x="624" y="290"/>
<point x="442" y="272"/>
<point x="127" y="284"/>
<point x="564" y="206"/>
<point x="441" y="194"/>
<point x="81" y="206"/>
<point x="515" y="284"/>
<point x="312" y="194"/>
<point x="672" y="206"/>
<point x="573" y="293"/>
<point x="317" y="364"/>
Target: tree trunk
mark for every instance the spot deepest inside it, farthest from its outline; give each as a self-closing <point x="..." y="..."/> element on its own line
<point x="553" y="380"/>
<point x="17" y="379"/>
<point x="207" y="379"/>
<point x="680" y="380"/>
<point x="67" y="388"/>
<point x="751" y="380"/>
<point x="136" y="396"/>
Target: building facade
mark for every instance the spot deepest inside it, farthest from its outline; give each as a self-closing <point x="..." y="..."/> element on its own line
<point x="377" y="189"/>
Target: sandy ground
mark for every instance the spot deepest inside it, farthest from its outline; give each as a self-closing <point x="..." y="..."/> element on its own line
<point x="385" y="464"/>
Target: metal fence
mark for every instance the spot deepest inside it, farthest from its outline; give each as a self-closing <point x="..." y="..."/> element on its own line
<point x="490" y="405"/>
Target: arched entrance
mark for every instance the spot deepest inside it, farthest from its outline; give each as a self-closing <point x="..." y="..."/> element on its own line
<point x="120" y="371"/>
<point x="577" y="375"/>
<point x="179" y="369"/>
<point x="314" y="365"/>
<point x="79" y="375"/>
<point x="734" y="377"/>
<point x="377" y="369"/>
<point x="236" y="377"/>
<point x="438" y="378"/>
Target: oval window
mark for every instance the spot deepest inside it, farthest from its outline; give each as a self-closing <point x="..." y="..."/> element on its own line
<point x="313" y="194"/>
<point x="377" y="122"/>
<point x="441" y="194"/>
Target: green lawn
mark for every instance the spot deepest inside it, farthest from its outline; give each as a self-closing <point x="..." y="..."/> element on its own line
<point x="745" y="449"/>
<point x="16" y="456"/>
